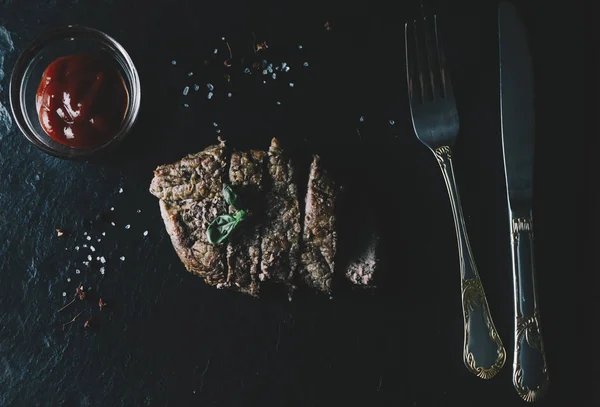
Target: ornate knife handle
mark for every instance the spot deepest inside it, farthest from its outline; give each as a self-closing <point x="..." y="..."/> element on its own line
<point x="483" y="352"/>
<point x="530" y="370"/>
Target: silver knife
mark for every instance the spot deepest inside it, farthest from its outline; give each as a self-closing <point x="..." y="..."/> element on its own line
<point x="530" y="370"/>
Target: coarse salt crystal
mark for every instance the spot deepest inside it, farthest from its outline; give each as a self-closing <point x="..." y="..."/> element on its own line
<point x="103" y="233"/>
<point x="64" y="294"/>
<point x="173" y="62"/>
<point x="291" y="84"/>
<point x="265" y="72"/>
<point x="99" y="240"/>
<point x="89" y="257"/>
<point x="299" y="46"/>
<point x="196" y="87"/>
<point x="112" y="223"/>
<point x="361" y="119"/>
<point x="89" y="238"/>
<point x="139" y="211"/>
<point x="145" y="233"/>
<point x="305" y="64"/>
<point x="229" y="95"/>
<point x="218" y="131"/>
<point x="283" y="65"/>
<point x="127" y="226"/>
<point x="77" y="271"/>
<point x="112" y="208"/>
<point x="222" y="38"/>
<point x="287" y="69"/>
<point x="274" y="75"/>
<point x="210" y="95"/>
<point x="122" y="258"/>
<point x="247" y="70"/>
<point x="210" y="86"/>
<point x="270" y="68"/>
<point x="215" y="124"/>
<point x="97" y="258"/>
<point x="68" y="280"/>
<point x="86" y="263"/>
<point x="102" y="260"/>
<point x="120" y="190"/>
<point x="186" y="90"/>
<point x="215" y="51"/>
<point x="190" y="74"/>
<point x="101" y="270"/>
<point x="186" y="105"/>
<point x="85" y="245"/>
<point x="92" y="248"/>
<point x="278" y="102"/>
<point x="392" y="122"/>
<point x="85" y="233"/>
<point x="76" y="247"/>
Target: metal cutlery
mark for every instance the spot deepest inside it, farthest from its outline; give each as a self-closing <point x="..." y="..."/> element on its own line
<point x="436" y="124"/>
<point x="530" y="370"/>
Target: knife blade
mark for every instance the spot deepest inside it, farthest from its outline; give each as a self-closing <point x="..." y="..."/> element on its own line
<point x="530" y="370"/>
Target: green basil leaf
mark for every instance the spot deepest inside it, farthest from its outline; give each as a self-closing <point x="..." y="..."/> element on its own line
<point x="229" y="195"/>
<point x="221" y="228"/>
<point x="240" y="215"/>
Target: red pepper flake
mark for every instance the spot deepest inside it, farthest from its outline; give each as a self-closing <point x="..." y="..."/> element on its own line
<point x="101" y="304"/>
<point x="227" y="62"/>
<point x="87" y="323"/>
<point x="80" y="292"/>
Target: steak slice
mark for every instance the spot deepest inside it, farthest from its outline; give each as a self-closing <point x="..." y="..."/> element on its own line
<point x="319" y="234"/>
<point x="246" y="173"/>
<point x="190" y="193"/>
<point x="280" y="243"/>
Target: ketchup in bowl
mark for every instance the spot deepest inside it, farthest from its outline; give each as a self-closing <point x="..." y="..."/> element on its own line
<point x="82" y="100"/>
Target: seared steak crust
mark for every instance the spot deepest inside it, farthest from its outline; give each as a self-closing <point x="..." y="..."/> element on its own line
<point x="319" y="234"/>
<point x="190" y="193"/>
<point x="246" y="173"/>
<point x="281" y="234"/>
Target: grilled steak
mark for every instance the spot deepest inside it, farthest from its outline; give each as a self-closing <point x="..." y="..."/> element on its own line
<point x="246" y="173"/>
<point x="281" y="234"/>
<point x="319" y="234"/>
<point x="190" y="193"/>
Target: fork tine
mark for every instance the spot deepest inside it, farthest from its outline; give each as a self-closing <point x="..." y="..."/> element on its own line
<point x="444" y="78"/>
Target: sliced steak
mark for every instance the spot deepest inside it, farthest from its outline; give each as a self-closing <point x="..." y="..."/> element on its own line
<point x="319" y="234"/>
<point x="190" y="193"/>
<point x="281" y="233"/>
<point x="246" y="174"/>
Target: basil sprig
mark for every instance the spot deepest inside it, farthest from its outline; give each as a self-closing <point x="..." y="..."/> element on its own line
<point x="223" y="225"/>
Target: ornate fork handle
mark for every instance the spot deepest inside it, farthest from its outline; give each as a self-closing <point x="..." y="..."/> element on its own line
<point x="530" y="370"/>
<point x="483" y="352"/>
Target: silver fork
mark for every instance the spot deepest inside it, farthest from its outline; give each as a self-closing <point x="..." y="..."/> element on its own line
<point x="435" y="121"/>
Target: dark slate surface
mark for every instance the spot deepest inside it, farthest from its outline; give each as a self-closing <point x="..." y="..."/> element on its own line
<point x="167" y="339"/>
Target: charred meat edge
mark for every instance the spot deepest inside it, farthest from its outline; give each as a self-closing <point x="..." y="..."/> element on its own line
<point x="319" y="232"/>
<point x="281" y="236"/>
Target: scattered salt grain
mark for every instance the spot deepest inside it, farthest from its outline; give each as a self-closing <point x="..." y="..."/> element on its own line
<point x="265" y="72"/>
<point x="99" y="240"/>
<point x="64" y="294"/>
<point x="77" y="271"/>
<point x="186" y="90"/>
<point x="247" y="70"/>
<point x="305" y="64"/>
<point x="186" y="105"/>
<point x="85" y="245"/>
<point x="291" y="84"/>
<point x="86" y="263"/>
<point x="392" y="122"/>
<point x="122" y="258"/>
<point x="361" y="119"/>
<point x="112" y="223"/>
<point x="222" y="38"/>
<point x="69" y="280"/>
<point x="89" y="257"/>
<point x="210" y="86"/>
<point x="92" y="248"/>
<point x="112" y="208"/>
<point x="190" y="74"/>
<point x="218" y="131"/>
<point x="85" y="233"/>
<point x="229" y="95"/>
<point x="120" y="190"/>
<point x="173" y="62"/>
<point x="103" y="233"/>
<point x="215" y="124"/>
<point x="127" y="226"/>
<point x="139" y="211"/>
<point x="274" y="75"/>
<point x="215" y="51"/>
<point x="278" y="102"/>
<point x="145" y="233"/>
<point x="89" y="238"/>
<point x="97" y="258"/>
<point x="76" y="247"/>
<point x="210" y="95"/>
<point x="102" y="270"/>
<point x="287" y="69"/>
<point x="196" y="87"/>
<point x="283" y="65"/>
<point x="102" y="260"/>
<point x="299" y="46"/>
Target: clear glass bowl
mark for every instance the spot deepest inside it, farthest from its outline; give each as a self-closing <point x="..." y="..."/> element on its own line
<point x="32" y="63"/>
